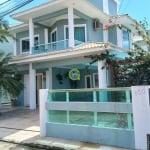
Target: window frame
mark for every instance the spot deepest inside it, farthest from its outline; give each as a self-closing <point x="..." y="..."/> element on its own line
<point x="25" y="38"/>
<point x="129" y="36"/>
<point x="86" y="76"/>
<point x="54" y="30"/>
<point x="94" y="74"/>
<point x="76" y="25"/>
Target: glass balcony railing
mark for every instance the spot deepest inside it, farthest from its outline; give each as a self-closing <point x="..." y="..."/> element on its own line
<point x="53" y="46"/>
<point x="91" y="95"/>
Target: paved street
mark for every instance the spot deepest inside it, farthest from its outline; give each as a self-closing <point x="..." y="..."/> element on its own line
<point x="9" y="146"/>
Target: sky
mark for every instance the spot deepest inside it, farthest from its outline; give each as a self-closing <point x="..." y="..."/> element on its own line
<point x="137" y="9"/>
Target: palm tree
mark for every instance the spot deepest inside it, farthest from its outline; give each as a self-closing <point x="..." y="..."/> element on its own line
<point x="9" y="82"/>
<point x="4" y="32"/>
<point x="9" y="78"/>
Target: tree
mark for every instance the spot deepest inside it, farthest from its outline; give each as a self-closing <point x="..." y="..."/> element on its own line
<point x="9" y="78"/>
<point x="9" y="81"/>
<point x="4" y="32"/>
<point x="134" y="69"/>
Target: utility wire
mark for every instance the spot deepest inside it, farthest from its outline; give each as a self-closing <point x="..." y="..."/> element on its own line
<point x="11" y="7"/>
<point x="123" y="4"/>
<point x="4" y="2"/>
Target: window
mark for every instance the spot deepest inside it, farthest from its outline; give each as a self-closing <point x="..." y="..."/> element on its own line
<point x="79" y="33"/>
<point x="95" y="80"/>
<point x="148" y="141"/>
<point x="54" y="35"/>
<point x="88" y="81"/>
<point x="25" y="44"/>
<point x="126" y="39"/>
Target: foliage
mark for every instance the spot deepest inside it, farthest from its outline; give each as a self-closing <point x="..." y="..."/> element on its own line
<point x="4" y="32"/>
<point x="9" y="78"/>
<point x="133" y="70"/>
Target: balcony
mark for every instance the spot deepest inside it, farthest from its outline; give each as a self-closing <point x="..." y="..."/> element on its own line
<point x="53" y="46"/>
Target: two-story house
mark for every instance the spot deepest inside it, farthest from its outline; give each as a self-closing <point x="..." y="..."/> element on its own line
<point x="54" y="38"/>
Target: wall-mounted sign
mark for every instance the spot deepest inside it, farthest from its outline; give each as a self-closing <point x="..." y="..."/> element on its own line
<point x="74" y="74"/>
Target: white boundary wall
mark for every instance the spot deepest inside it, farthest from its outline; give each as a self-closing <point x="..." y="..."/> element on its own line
<point x="43" y="111"/>
<point x="141" y="115"/>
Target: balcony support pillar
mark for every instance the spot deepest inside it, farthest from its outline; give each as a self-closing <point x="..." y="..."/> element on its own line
<point x="71" y="27"/>
<point x="31" y="34"/>
<point x="32" y="85"/>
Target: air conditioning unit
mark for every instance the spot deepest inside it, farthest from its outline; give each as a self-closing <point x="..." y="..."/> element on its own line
<point x="96" y="24"/>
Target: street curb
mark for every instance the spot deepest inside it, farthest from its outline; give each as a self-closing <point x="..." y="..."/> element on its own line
<point x="33" y="145"/>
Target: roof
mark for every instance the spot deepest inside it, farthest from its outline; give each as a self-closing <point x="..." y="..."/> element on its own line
<point x="83" y="6"/>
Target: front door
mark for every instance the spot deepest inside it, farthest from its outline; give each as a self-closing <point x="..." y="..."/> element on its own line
<point x="39" y="85"/>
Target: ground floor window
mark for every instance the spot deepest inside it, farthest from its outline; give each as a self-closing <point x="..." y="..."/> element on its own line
<point x="95" y="80"/>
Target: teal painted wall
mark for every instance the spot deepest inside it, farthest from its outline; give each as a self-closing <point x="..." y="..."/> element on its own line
<point x="112" y="35"/>
<point x="98" y="3"/>
<point x="92" y="35"/>
<point x="111" y="4"/>
<point x="112" y="7"/>
<point x="65" y="83"/>
<point x="20" y="100"/>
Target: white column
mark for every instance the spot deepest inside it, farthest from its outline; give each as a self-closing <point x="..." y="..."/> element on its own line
<point x="71" y="27"/>
<point x="43" y="111"/>
<point x="32" y="92"/>
<point x="105" y="6"/>
<point x="141" y="117"/>
<point x="49" y="79"/>
<point x="15" y="46"/>
<point x="119" y="37"/>
<point x="105" y="34"/>
<point x="46" y="36"/>
<point x="31" y="34"/>
<point x="102" y="76"/>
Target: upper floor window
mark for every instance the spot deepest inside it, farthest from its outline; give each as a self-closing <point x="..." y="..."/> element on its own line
<point x="54" y="35"/>
<point x="79" y="33"/>
<point x="125" y="39"/>
<point x="25" y="44"/>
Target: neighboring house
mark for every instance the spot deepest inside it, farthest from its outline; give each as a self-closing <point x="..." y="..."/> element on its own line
<point x="56" y="36"/>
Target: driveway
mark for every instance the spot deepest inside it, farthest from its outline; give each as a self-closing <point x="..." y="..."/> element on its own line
<point x="21" y="126"/>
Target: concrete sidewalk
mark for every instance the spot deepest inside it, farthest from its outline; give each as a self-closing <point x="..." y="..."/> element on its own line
<point x="22" y="126"/>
